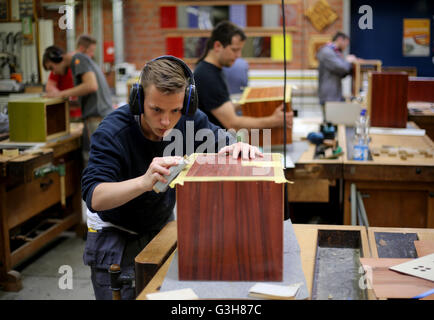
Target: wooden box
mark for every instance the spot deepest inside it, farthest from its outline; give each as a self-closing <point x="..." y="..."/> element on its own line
<point x="230" y="218"/>
<point x="38" y="119"/>
<point x="421" y="89"/>
<point x="330" y="258"/>
<point x="261" y="102"/>
<point x="360" y="73"/>
<point x="387" y="99"/>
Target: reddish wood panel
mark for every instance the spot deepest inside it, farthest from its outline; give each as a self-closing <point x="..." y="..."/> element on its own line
<point x="388" y="99"/>
<point x="254" y="15"/>
<point x="212" y="165"/>
<point x="421" y="89"/>
<point x="265" y="108"/>
<point x="229" y="231"/>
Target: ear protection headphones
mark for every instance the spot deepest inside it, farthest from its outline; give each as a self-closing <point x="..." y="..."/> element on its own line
<point x="137" y="94"/>
<point x="55" y="55"/>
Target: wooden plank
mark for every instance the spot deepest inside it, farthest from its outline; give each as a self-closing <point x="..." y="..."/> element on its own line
<point x="153" y="256"/>
<point x="5" y="266"/>
<point x="307" y="239"/>
<point x="249" y="31"/>
<point x="424" y="247"/>
<point x="223" y="2"/>
<point x="430" y="209"/>
<point x="155" y="284"/>
<point x="29" y="248"/>
<point x="390" y="284"/>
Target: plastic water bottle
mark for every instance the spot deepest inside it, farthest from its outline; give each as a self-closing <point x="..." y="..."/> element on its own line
<point x="361" y="137"/>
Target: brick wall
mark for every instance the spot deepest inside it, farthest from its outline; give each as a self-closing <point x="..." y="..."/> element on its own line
<point x="143" y="39"/>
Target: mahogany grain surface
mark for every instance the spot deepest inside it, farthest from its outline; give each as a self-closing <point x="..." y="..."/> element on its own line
<point x="388" y="96"/>
<point x="261" y="102"/>
<point x="229" y="230"/>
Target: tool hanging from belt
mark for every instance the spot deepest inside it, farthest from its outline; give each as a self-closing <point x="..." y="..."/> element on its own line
<point x="117" y="281"/>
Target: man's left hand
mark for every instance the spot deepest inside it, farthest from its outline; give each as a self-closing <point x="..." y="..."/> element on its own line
<point x="53" y="94"/>
<point x="240" y="148"/>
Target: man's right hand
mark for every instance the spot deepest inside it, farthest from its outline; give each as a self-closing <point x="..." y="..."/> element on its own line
<point x="158" y="168"/>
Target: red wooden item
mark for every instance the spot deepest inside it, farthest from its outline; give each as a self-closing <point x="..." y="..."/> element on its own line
<point x="168" y="18"/>
<point x="254" y="15"/>
<point x="262" y="102"/>
<point x="421" y="89"/>
<point x="387" y="99"/>
<point x="175" y="46"/>
<point x="229" y="229"/>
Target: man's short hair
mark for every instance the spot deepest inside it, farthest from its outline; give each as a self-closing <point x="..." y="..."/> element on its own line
<point x="223" y="32"/>
<point x="85" y="41"/>
<point x="340" y="34"/>
<point x="166" y="75"/>
<point x="52" y="54"/>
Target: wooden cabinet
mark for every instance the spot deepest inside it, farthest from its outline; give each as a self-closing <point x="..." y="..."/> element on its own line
<point x="32" y="210"/>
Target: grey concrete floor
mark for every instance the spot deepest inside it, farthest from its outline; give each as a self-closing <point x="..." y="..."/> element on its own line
<point x="41" y="277"/>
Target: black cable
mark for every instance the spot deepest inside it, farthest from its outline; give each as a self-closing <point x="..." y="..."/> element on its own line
<point x="286" y="215"/>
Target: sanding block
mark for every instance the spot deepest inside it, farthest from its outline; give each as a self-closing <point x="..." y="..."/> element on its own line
<point x="174" y="171"/>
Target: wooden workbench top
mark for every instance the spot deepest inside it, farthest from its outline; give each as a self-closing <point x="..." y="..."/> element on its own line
<point x="395" y="150"/>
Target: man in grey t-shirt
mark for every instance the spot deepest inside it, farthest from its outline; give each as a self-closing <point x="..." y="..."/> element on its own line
<point x="90" y="86"/>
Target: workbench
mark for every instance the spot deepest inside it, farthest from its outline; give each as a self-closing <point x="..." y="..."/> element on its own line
<point x="312" y="177"/>
<point x="397" y="187"/>
<point x="422" y="113"/>
<point x="329" y="256"/>
<point x="35" y="207"/>
<point x="391" y="187"/>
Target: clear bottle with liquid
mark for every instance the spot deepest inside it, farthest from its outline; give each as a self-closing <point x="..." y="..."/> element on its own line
<point x="361" y="137"/>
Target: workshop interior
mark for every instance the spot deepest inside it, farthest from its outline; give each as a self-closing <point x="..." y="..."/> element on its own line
<point x="337" y="203"/>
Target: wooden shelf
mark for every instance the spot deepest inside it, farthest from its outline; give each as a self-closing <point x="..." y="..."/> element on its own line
<point x="222" y="3"/>
<point x="249" y="60"/>
<point x="249" y="31"/>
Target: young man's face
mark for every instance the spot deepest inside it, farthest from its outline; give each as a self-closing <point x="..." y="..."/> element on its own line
<point x="57" y="68"/>
<point x="227" y="55"/>
<point x="161" y="112"/>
